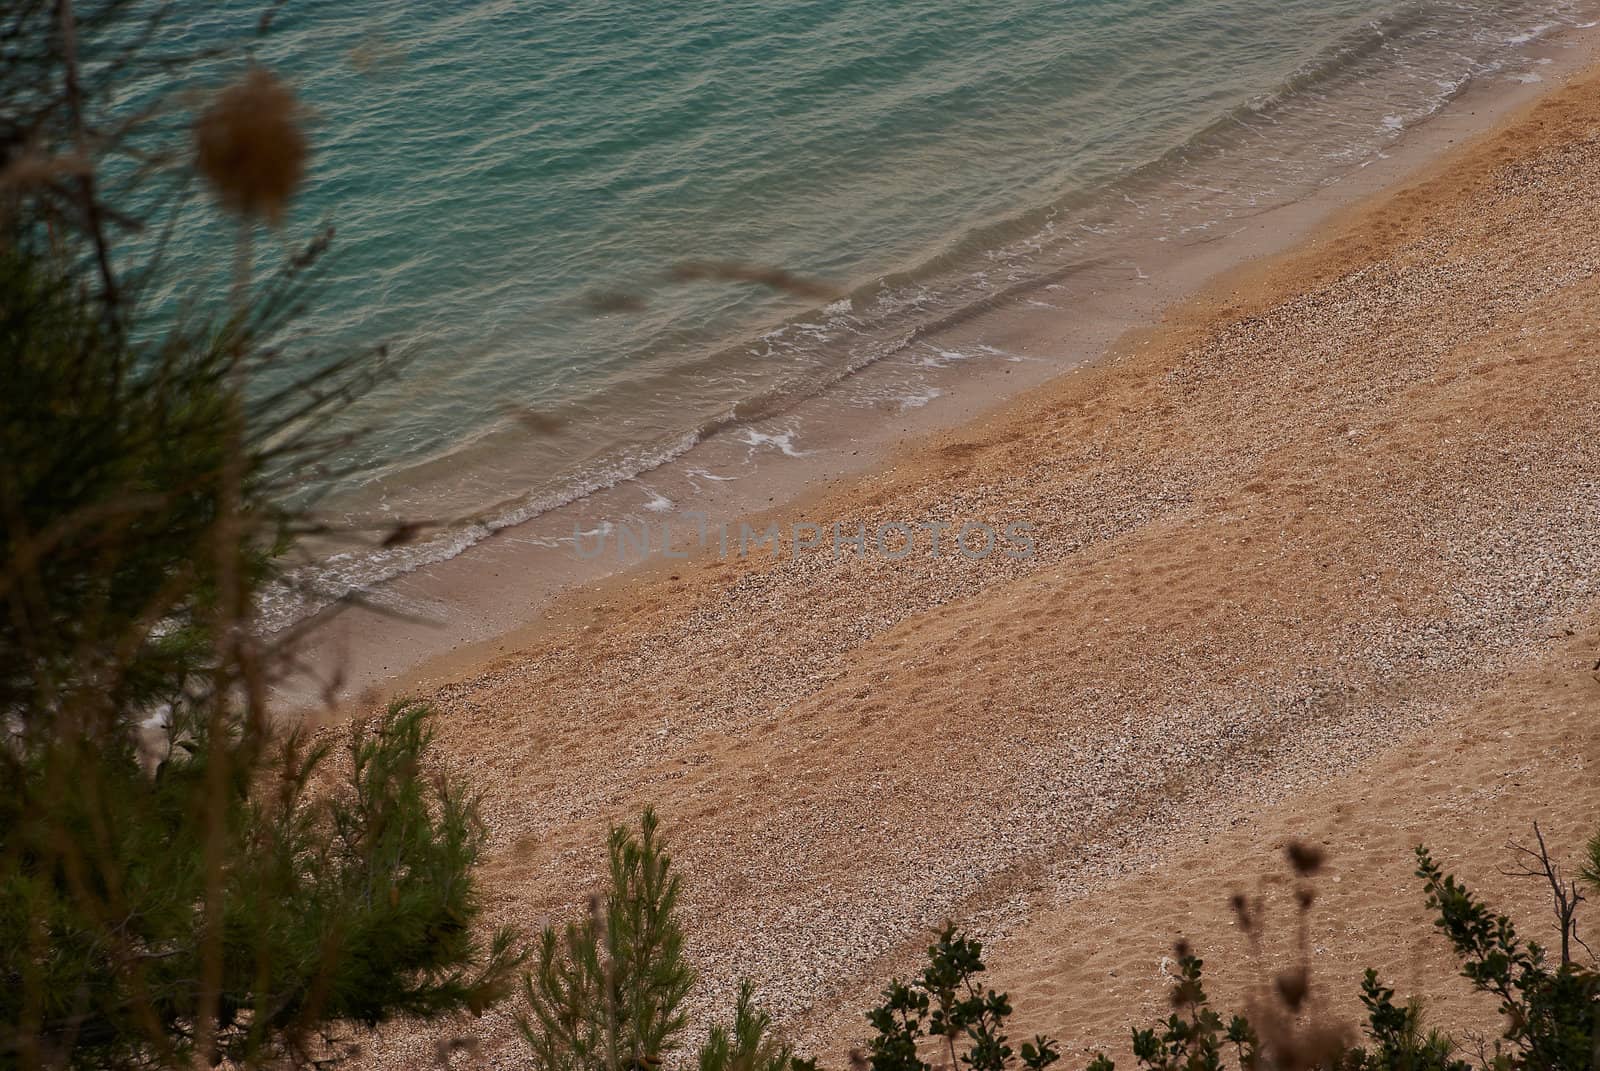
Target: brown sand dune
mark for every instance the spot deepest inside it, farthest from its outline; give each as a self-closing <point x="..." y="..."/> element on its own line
<point x="1318" y="556"/>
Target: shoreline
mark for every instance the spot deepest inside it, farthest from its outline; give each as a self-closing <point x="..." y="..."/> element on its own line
<point x="465" y="611"/>
<point x="1318" y="556"/>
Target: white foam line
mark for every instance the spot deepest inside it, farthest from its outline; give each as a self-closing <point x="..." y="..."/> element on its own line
<point x="782" y="441"/>
<point x="658" y="503"/>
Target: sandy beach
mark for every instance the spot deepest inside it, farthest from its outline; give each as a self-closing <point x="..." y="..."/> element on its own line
<point x="1317" y="555"/>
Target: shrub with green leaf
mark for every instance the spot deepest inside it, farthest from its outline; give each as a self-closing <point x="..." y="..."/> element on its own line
<point x="1398" y="1040"/>
<point x="748" y="1044"/>
<point x="947" y="1004"/>
<point x="1551" y="1011"/>
<point x="606" y="992"/>
<point x="343" y="905"/>
<point x="1194" y="1035"/>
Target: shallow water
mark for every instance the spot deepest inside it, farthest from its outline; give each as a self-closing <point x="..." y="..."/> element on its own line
<point x="517" y="186"/>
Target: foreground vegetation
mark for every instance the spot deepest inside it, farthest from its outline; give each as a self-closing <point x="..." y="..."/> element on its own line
<point x="182" y="880"/>
<point x="607" y="993"/>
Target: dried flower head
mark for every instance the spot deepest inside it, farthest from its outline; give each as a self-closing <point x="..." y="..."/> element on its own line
<point x="249" y="145"/>
<point x="1292" y="986"/>
<point x="1241" y="911"/>
<point x="1305" y="858"/>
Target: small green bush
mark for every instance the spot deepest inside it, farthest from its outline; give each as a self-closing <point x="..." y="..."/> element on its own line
<point x="343" y="904"/>
<point x="1550" y="1011"/>
<point x="606" y="992"/>
<point x="748" y="1045"/>
<point x="947" y="1003"/>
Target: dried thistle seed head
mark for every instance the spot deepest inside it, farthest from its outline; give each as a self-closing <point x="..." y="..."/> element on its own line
<point x="1292" y="986"/>
<point x="1241" y="911"/>
<point x="1181" y="995"/>
<point x="1306" y="858"/>
<point x="250" y="148"/>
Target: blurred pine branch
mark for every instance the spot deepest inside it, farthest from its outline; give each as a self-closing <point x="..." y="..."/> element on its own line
<point x="183" y="879"/>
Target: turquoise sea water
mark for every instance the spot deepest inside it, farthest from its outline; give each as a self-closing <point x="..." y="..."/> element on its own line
<point x="515" y="183"/>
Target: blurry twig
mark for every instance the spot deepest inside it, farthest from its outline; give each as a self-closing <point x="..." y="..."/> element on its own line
<point x="734" y="271"/>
